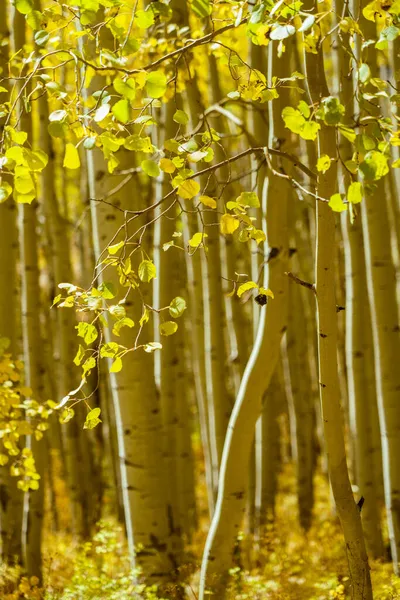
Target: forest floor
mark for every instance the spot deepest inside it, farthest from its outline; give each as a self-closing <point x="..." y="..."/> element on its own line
<point x="291" y="564"/>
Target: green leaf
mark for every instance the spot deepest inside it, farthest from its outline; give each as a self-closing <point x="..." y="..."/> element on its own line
<point x="24" y="6"/>
<point x="364" y="73"/>
<point x="121" y="110"/>
<point x="126" y="88"/>
<point x="333" y="110"/>
<point x="181" y="117"/>
<point x="92" y="418"/>
<point x="150" y="167"/>
<point x="144" y="18"/>
<point x="124" y="322"/>
<point x="66" y="415"/>
<point x="88" y="365"/>
<point x="107" y="290"/>
<point x="41" y="37"/>
<point x="304" y="109"/>
<point x="79" y="355"/>
<point x="109" y="350"/>
<point x="310" y="130"/>
<point x="145" y="317"/>
<point x="147" y="271"/>
<point x="387" y="35"/>
<point x="117" y="311"/>
<point x="138" y="143"/>
<point x="116" y="366"/>
<point x="249" y="199"/>
<point x="57" y="129"/>
<point x="87" y="331"/>
<point x="177" y="307"/>
<point x="168" y="328"/>
<point x="374" y="166"/>
<point x="156" y="84"/>
<point x="293" y="119"/>
<point x="202" y="8"/>
<point x="249" y="285"/>
<point x="71" y="158"/>
<point x="355" y="192"/>
<point x="336" y="203"/>
<point x="34" y="19"/>
<point x="348" y="133"/>
<point x="5" y="191"/>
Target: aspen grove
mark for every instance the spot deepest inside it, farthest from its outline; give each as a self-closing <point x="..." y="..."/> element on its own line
<point x="199" y="299"/>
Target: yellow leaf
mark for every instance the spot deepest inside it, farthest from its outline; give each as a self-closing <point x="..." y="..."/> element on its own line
<point x="228" y="223"/>
<point x="197" y="239"/>
<point x="266" y="292"/>
<point x="116" y="366"/>
<point x="249" y="285"/>
<point x="188" y="189"/>
<point x="168" y="328"/>
<point x="336" y="203"/>
<point x="167" y="165"/>
<point x="323" y="164"/>
<point x="355" y="192"/>
<point x="71" y="158"/>
<point x="207" y="201"/>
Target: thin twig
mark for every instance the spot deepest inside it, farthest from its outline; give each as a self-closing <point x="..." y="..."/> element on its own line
<point x="306" y="284"/>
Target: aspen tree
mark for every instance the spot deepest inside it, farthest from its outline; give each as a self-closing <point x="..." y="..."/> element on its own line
<point x="10" y="497"/>
<point x="138" y="423"/>
<point x="65" y="348"/>
<point x="34" y="369"/>
<point x="381" y="280"/>
<point x="236" y="325"/>
<point x="219" y="403"/>
<point x="196" y="283"/>
<point x="34" y="366"/>
<point x="347" y="509"/>
<point x="218" y="397"/>
<point x="362" y="394"/>
<point x="268" y="453"/>
<point x="171" y="358"/>
<point x="225" y="526"/>
<point x="363" y="410"/>
<point x="299" y="379"/>
<point x="260" y="467"/>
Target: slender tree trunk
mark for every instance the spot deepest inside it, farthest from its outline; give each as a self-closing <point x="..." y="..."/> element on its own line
<point x="268" y="454"/>
<point x="233" y="480"/>
<point x="11" y="499"/>
<point x="170" y="360"/>
<point x="139" y="423"/>
<point x="347" y="509"/>
<point x="34" y="372"/>
<point x="363" y="410"/>
<point x="299" y="379"/>
<point x="381" y="280"/>
<point x="34" y="363"/>
<point x="362" y="388"/>
<point x="67" y="379"/>
<point x="219" y="401"/>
